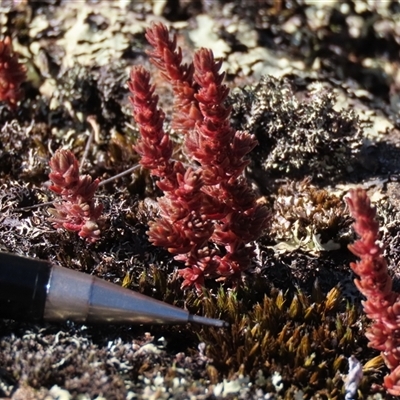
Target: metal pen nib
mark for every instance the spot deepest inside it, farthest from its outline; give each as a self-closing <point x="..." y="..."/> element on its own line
<point x="35" y="290"/>
<point x="208" y="321"/>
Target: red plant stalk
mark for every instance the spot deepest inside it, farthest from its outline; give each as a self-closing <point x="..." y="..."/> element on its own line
<point x="167" y="57"/>
<point x="209" y="214"/>
<point x="12" y="74"/>
<point x="221" y="152"/>
<point x="382" y="305"/>
<point x="182" y="226"/>
<point x="77" y="211"/>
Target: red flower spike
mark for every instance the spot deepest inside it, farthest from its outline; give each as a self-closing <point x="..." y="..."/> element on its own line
<point x="382" y="305"/>
<point x="154" y="147"/>
<point x="213" y="143"/>
<point x="77" y="211"/>
<point x="167" y="57"/>
<point x="212" y="204"/>
<point x="12" y="74"/>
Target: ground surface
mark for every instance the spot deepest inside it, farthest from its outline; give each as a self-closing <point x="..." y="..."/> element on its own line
<point x="326" y="115"/>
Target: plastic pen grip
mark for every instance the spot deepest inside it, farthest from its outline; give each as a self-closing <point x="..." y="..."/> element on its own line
<point x="23" y="287"/>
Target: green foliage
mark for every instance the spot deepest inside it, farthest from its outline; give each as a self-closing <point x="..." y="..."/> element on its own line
<point x="305" y="339"/>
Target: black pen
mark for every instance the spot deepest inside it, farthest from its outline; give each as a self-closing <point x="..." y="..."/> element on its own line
<point x="36" y="290"/>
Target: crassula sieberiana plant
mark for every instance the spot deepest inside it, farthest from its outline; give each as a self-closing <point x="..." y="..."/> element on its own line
<point x="209" y="213"/>
<point x="382" y="304"/>
<point x="12" y="73"/>
<point x="76" y="211"/>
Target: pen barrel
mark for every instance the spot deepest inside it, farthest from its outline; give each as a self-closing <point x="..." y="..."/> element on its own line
<point x="36" y="290"/>
<point x="23" y="287"/>
<point x="88" y="299"/>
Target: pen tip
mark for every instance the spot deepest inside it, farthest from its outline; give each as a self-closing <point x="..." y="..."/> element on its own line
<point x="208" y="321"/>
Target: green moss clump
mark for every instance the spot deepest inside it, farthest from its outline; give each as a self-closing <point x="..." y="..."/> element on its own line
<point x="304" y="339"/>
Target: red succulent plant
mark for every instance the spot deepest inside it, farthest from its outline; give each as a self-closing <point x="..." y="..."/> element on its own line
<point x="382" y="304"/>
<point x="77" y="210"/>
<point x="12" y="73"/>
<point x="209" y="213"/>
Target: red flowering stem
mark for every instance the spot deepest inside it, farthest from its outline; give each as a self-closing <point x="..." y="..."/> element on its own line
<point x="77" y="211"/>
<point x="212" y="203"/>
<point x="12" y="74"/>
<point x="167" y="57"/>
<point x="154" y="146"/>
<point x="214" y="142"/>
<point x="382" y="305"/>
<point x="182" y="226"/>
<point x="221" y="151"/>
